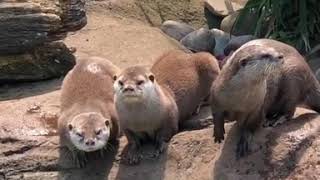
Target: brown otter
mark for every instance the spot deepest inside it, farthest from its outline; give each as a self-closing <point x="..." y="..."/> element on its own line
<point x="262" y="79"/>
<point x="152" y="102"/>
<point x="88" y="117"/>
<point x="145" y="109"/>
<point x="189" y="76"/>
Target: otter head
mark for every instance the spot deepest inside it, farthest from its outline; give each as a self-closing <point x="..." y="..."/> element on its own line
<point x="254" y="63"/>
<point x="134" y="85"/>
<point x="89" y="131"/>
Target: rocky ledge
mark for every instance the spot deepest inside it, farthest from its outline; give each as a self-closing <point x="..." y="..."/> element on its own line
<point x="27" y="24"/>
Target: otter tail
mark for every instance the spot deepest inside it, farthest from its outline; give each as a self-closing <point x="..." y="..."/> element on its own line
<point x="313" y="98"/>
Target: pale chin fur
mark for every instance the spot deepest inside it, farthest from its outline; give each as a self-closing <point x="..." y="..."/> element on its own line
<point x="148" y="91"/>
<point x="99" y="143"/>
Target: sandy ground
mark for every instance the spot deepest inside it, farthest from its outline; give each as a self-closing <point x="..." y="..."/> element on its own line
<point x="29" y="146"/>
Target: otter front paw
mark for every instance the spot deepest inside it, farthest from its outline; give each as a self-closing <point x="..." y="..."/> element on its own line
<point x="218" y="134"/>
<point x="160" y="146"/>
<point x="132" y="157"/>
<point x="243" y="147"/>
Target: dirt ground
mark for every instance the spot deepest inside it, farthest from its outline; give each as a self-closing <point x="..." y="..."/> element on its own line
<point x="29" y="146"/>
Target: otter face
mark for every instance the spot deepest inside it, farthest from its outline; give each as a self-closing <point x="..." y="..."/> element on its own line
<point x="89" y="131"/>
<point x="256" y="63"/>
<point x="131" y="88"/>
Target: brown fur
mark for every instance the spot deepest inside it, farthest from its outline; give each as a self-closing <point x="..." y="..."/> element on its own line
<point x="83" y="92"/>
<point x="153" y="116"/>
<point x="188" y="76"/>
<point x="267" y="94"/>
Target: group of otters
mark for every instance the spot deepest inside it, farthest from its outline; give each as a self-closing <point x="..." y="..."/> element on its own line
<point x="263" y="80"/>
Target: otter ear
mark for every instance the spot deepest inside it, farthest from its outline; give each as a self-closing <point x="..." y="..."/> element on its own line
<point x="115" y="77"/>
<point x="107" y="122"/>
<point x="70" y="127"/>
<point x="151" y="77"/>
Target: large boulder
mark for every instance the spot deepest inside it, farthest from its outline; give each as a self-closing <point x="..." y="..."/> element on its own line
<point x="199" y="40"/>
<point x="28" y="24"/>
<point x="29" y="34"/>
<point x="176" y="30"/>
<point x="48" y="61"/>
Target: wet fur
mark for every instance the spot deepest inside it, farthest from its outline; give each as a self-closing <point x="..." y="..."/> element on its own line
<point x="85" y="91"/>
<point x="284" y="89"/>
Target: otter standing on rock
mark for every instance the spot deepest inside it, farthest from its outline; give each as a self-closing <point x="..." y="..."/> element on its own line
<point x="151" y="103"/>
<point x="88" y="117"/>
<point x="262" y="79"/>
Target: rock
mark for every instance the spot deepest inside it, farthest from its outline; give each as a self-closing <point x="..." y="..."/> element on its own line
<point x="28" y="24"/>
<point x="235" y="42"/>
<point x="199" y="40"/>
<point x="244" y="26"/>
<point x="221" y="39"/>
<point x="48" y="61"/>
<point x="223" y="8"/>
<point x="227" y="22"/>
<point x="155" y="12"/>
<point x="289" y="151"/>
<point x="176" y="30"/>
<point x="213" y="20"/>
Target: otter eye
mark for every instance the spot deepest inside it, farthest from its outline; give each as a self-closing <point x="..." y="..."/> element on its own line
<point x="107" y="123"/>
<point x="70" y="127"/>
<point x="98" y="132"/>
<point x="120" y="83"/>
<point x="280" y="57"/>
<point x="151" y="77"/>
<point x="244" y="62"/>
<point x="140" y="82"/>
<point x="79" y="134"/>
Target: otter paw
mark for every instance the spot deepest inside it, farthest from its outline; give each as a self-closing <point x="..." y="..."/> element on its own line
<point x="133" y="158"/>
<point x="159" y="149"/>
<point x="218" y="136"/>
<point x="242" y="147"/>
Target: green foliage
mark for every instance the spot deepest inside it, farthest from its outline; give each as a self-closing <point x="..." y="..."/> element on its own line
<point x="296" y="22"/>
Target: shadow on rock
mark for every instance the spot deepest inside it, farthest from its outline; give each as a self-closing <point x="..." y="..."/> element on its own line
<point x="97" y="167"/>
<point x="148" y="168"/>
<point x="23" y="90"/>
<point x="275" y="152"/>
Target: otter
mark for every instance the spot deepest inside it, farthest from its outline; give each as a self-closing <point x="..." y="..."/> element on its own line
<point x="263" y="80"/>
<point x="189" y="76"/>
<point x="88" y="119"/>
<point x="145" y="108"/>
<point x="154" y="103"/>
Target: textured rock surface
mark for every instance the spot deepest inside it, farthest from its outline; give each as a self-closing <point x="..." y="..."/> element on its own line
<point x="176" y="30"/>
<point x="30" y="23"/>
<point x="48" y="61"/>
<point x="154" y="12"/>
<point x="224" y="7"/>
<point x="199" y="40"/>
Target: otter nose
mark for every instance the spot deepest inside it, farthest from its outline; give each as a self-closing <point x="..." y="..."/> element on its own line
<point x="90" y="142"/>
<point x="128" y="88"/>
